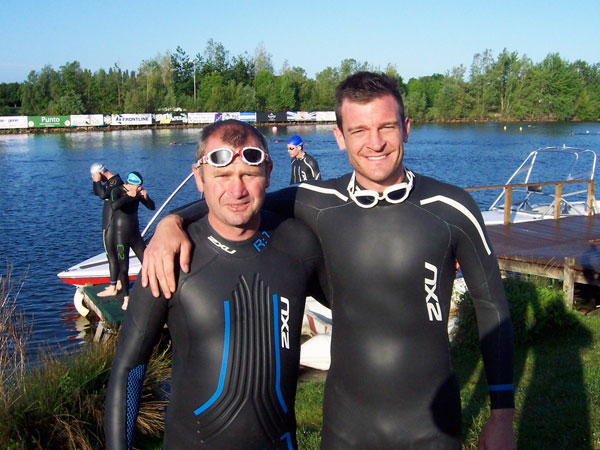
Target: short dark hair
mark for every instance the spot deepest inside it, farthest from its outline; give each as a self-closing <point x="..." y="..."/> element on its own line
<point x="362" y="87"/>
<point x="234" y="132"/>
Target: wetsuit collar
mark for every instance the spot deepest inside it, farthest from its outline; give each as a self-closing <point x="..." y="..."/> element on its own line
<point x="366" y="198"/>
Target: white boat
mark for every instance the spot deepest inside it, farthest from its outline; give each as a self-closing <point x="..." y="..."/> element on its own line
<point x="533" y="194"/>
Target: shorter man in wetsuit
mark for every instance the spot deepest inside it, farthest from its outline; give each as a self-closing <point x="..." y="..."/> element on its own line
<point x="304" y="166"/>
<point x="125" y="200"/>
<point x="235" y="319"/>
<point x="103" y="182"/>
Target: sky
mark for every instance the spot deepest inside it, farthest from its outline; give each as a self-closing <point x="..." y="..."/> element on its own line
<point x="419" y="38"/>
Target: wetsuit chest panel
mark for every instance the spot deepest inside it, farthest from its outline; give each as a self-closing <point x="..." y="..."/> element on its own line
<point x="246" y="309"/>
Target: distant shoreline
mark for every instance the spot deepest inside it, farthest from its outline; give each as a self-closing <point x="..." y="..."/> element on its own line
<point x="106" y="128"/>
<point x="51" y="130"/>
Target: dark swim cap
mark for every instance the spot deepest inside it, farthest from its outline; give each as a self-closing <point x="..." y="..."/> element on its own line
<point x="135" y="178"/>
<point x="295" y="140"/>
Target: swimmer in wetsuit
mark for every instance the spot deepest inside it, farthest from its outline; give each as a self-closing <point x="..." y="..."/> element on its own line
<point x="304" y="166"/>
<point x="390" y="239"/>
<point x="235" y="319"/>
<point x="125" y="200"/>
<point x="103" y="182"/>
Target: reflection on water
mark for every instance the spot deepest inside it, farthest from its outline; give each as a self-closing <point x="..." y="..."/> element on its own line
<point x="51" y="220"/>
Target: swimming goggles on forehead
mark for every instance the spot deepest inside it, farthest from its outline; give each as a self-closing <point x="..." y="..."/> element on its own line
<point x="221" y="157"/>
<point x="366" y="198"/>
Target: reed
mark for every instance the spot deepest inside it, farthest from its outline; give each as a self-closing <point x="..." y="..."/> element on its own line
<point x="58" y="403"/>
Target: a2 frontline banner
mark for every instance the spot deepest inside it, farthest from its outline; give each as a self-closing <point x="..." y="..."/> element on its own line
<point x="98" y="120"/>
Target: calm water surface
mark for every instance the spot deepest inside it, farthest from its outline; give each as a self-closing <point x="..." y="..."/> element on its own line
<point x="51" y="220"/>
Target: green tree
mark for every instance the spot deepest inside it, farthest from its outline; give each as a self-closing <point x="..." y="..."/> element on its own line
<point x="182" y="74"/>
<point x="483" y="89"/>
<point x="10" y="98"/>
<point x="264" y="84"/>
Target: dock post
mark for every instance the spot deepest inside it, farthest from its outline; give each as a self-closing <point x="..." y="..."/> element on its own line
<point x="569" y="281"/>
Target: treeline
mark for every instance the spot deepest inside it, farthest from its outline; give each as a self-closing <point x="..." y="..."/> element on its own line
<point x="502" y="87"/>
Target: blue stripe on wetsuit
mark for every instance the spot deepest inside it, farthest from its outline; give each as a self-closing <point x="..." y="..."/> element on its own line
<point x="277" y="357"/>
<point x="135" y="381"/>
<point x="501" y="387"/>
<point x="219" y="390"/>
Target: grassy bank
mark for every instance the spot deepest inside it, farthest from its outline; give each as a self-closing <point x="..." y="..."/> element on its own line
<point x="59" y="404"/>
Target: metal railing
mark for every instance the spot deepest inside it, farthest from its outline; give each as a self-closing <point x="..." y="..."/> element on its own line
<point x="531" y="187"/>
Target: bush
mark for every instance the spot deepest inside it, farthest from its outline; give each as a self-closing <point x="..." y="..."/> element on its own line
<point x="537" y="309"/>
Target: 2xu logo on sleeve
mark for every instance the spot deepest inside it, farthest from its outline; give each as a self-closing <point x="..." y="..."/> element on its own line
<point x="433" y="305"/>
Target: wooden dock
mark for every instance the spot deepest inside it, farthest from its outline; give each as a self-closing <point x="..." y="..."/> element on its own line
<point x="567" y="249"/>
<point x="108" y="309"/>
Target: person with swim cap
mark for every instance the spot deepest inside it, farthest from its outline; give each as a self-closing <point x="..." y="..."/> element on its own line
<point x="304" y="166"/>
<point x="103" y="182"/>
<point x="125" y="200"/>
<point x="235" y="319"/>
<point x="391" y="238"/>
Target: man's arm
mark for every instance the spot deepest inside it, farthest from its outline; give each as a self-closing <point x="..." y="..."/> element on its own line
<point x="170" y="240"/>
<point x="480" y="269"/>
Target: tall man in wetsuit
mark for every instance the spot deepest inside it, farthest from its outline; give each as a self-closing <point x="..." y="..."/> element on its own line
<point x="304" y="166"/>
<point x="390" y="239"/>
<point x="235" y="319"/>
<point x="103" y="182"/>
<point x="125" y="201"/>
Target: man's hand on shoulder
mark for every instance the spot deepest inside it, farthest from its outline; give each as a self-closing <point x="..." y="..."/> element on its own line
<point x="498" y="433"/>
<point x="158" y="267"/>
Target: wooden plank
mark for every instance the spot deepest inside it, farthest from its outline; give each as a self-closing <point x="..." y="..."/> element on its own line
<point x="567" y="249"/>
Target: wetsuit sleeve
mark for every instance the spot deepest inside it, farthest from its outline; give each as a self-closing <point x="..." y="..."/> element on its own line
<point x="314" y="166"/>
<point x="120" y="198"/>
<point x="148" y="203"/>
<point x="139" y="333"/>
<point x="100" y="189"/>
<point x="191" y="212"/>
<point x="480" y="268"/>
<point x="282" y="201"/>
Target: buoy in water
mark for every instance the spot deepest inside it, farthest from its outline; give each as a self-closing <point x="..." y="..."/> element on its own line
<point x="274" y="130"/>
<point x="504" y="127"/>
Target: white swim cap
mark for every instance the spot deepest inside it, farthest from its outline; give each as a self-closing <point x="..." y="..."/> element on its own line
<point x="97" y="167"/>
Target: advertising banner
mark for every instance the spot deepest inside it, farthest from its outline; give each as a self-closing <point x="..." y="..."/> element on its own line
<point x="48" y="121"/>
<point x="248" y="116"/>
<point x="13" y="122"/>
<point x="325" y="116"/>
<point x="263" y="117"/>
<point x="301" y="116"/>
<point x="170" y="118"/>
<point x="87" y="120"/>
<point x="131" y="119"/>
<point x="228" y="115"/>
<point x="201" y="117"/>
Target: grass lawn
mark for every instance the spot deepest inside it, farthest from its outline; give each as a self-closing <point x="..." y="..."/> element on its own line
<point x="557" y="382"/>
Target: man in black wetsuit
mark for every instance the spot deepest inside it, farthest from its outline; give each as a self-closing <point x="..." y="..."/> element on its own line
<point x="390" y="239"/>
<point x="103" y="182"/>
<point x="124" y="201"/>
<point x="304" y="166"/>
<point x="235" y="319"/>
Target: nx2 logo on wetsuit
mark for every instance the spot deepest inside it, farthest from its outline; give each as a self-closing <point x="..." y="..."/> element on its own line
<point x="285" y="328"/>
<point x="221" y="246"/>
<point x="433" y="305"/>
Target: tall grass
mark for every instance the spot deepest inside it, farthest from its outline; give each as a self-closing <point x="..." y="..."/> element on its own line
<point x="59" y="404"/>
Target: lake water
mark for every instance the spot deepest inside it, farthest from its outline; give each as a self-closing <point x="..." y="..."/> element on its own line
<point x="51" y="220"/>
